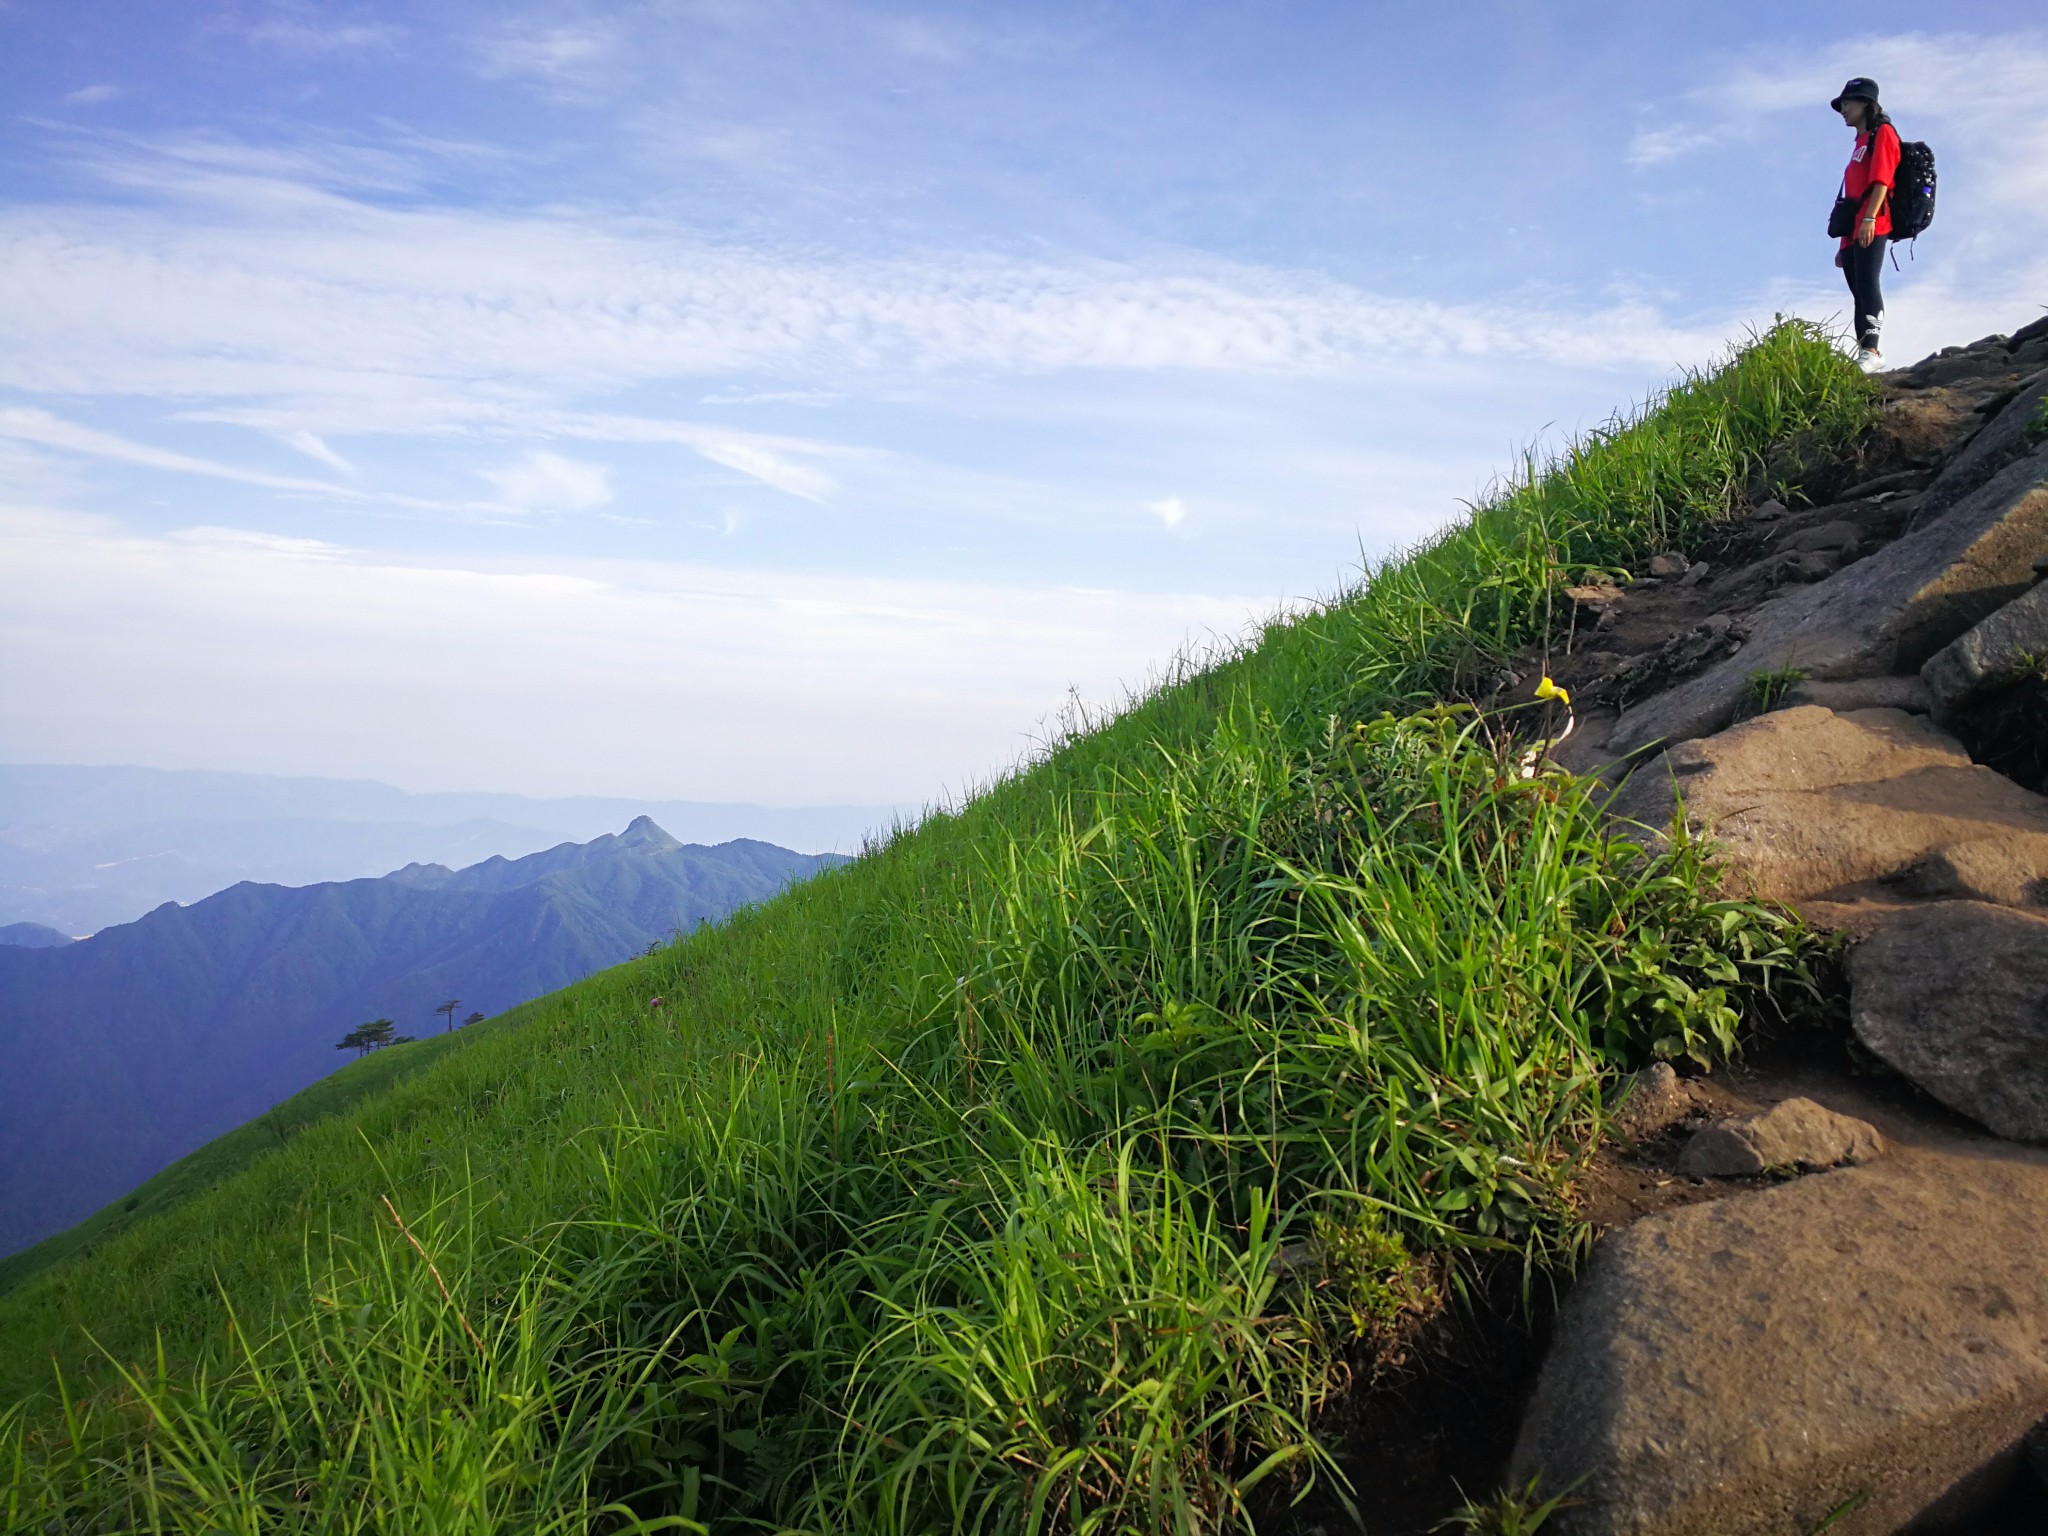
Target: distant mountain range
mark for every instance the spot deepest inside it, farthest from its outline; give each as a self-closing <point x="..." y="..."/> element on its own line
<point x="32" y="936"/>
<point x="85" y="847"/>
<point x="127" y="1050"/>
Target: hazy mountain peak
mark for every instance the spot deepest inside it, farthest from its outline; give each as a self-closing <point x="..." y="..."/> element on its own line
<point x="33" y="936"/>
<point x="643" y="833"/>
<point x="162" y="1033"/>
<point x="417" y="873"/>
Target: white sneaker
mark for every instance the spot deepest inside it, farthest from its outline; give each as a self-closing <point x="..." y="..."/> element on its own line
<point x="1871" y="359"/>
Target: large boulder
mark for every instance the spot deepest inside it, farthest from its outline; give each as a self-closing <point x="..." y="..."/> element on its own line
<point x="1955" y="997"/>
<point x="2009" y="436"/>
<point x="1998" y="653"/>
<point x="1885" y="614"/>
<point x="1749" y="1366"/>
<point x="1806" y="802"/>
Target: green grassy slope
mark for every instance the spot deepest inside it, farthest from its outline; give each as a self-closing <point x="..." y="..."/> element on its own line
<point x="1048" y="1168"/>
<point x="225" y="1156"/>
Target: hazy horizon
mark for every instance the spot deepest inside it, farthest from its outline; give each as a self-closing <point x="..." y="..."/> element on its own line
<point x="448" y="790"/>
<point x="87" y="847"/>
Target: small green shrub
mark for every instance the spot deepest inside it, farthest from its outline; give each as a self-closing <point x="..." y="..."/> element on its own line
<point x="1764" y="691"/>
<point x="1370" y="1273"/>
<point x="1515" y="1512"/>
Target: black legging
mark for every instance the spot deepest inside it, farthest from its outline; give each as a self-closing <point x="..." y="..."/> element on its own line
<point x="1863" y="265"/>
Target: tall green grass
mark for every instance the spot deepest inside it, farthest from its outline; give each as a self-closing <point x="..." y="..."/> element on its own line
<point x="1051" y="1168"/>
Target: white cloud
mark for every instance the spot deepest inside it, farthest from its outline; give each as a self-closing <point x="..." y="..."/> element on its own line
<point x="556" y="55"/>
<point x="772" y="459"/>
<point x="92" y="95"/>
<point x="29" y="425"/>
<point x="218" y="646"/>
<point x="419" y="319"/>
<point x="770" y="468"/>
<point x="548" y="482"/>
<point x="311" y="39"/>
<point x="272" y="178"/>
<point x="315" y="448"/>
<point x="253" y="285"/>
<point x="1169" y="511"/>
<point x="1654" y="146"/>
<point x="917" y="38"/>
<point x="1978" y="83"/>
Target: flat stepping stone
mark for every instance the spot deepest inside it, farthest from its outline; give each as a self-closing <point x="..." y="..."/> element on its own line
<point x="1805" y="802"/>
<point x="1748" y="1366"/>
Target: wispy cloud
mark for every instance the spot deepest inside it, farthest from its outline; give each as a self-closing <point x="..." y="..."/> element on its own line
<point x="292" y="34"/>
<point x="548" y="482"/>
<point x="1169" y="510"/>
<point x="1654" y="146"/>
<point x="205" y="167"/>
<point x="780" y="461"/>
<point x="410" y="318"/>
<point x="315" y="448"/>
<point x="92" y="95"/>
<point x="1972" y="82"/>
<point x="29" y="425"/>
<point x="919" y="38"/>
<point x="556" y="55"/>
<point x="770" y="468"/>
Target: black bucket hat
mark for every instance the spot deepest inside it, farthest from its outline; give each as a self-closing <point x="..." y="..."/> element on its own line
<point x="1859" y="89"/>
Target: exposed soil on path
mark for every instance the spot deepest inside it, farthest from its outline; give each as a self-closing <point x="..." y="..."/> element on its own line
<point x="1624" y="1184"/>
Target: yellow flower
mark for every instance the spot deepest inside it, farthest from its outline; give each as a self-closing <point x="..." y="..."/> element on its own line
<point x="1549" y="690"/>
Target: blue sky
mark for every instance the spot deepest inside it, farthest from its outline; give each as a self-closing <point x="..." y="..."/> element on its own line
<point x="797" y="402"/>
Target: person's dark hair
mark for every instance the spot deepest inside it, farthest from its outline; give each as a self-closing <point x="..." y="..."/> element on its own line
<point x="1874" y="114"/>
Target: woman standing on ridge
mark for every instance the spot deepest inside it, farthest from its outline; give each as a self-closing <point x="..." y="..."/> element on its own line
<point x="1863" y="216"/>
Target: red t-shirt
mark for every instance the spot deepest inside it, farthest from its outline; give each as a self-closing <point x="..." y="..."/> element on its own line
<point x="1866" y="166"/>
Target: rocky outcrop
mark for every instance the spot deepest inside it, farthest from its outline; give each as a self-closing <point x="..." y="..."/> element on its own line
<point x="1887" y="613"/>
<point x="1955" y="997"/>
<point x="1796" y="1133"/>
<point x="1808" y="803"/>
<point x="1999" y="653"/>
<point x="1866" y="1349"/>
<point x="2010" y="435"/>
<point x="1747" y="1367"/>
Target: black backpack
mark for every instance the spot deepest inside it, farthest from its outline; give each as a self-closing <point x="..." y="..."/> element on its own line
<point x="1913" y="191"/>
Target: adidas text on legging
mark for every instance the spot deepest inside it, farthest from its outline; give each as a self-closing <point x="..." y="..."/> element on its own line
<point x="1863" y="265"/>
